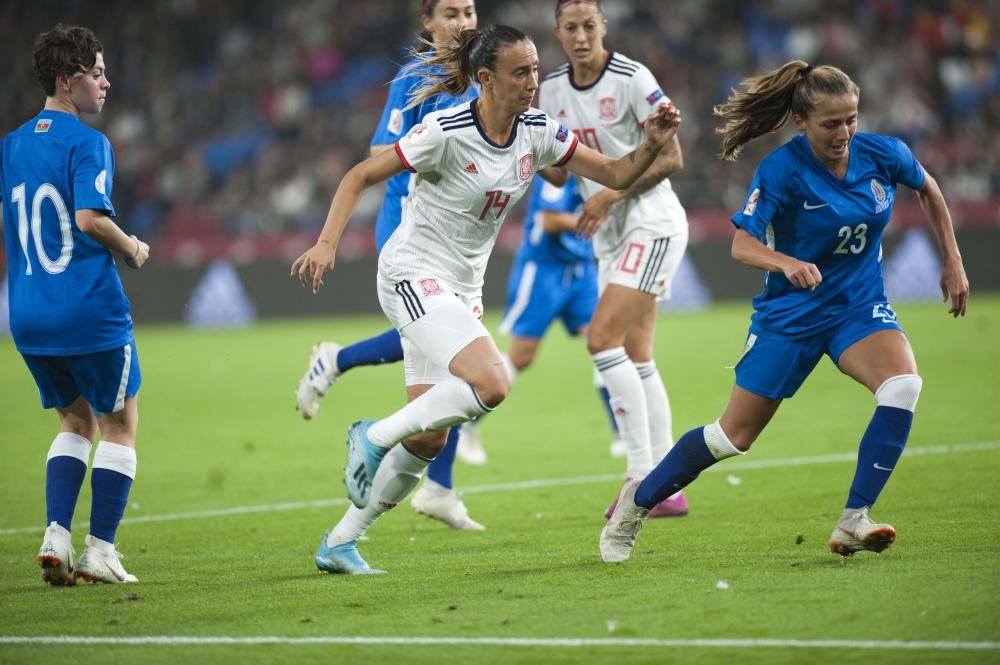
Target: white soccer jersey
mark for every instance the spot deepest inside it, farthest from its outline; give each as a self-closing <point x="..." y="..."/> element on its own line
<point x="606" y="116"/>
<point x="464" y="188"/>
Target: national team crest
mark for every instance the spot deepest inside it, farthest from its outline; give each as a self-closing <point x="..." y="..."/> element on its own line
<point x="525" y="168"/>
<point x="430" y="286"/>
<point x="881" y="197"/>
<point x="609" y="108"/>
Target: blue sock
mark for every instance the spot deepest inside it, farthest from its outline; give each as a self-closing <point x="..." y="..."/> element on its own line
<point x="880" y="449"/>
<point x="378" y="350"/>
<point x="63" y="480"/>
<point x="110" y="496"/>
<point x="606" y="400"/>
<point x="689" y="457"/>
<point x="440" y="469"/>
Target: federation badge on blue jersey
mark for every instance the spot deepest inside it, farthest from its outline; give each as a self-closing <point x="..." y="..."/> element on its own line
<point x="562" y="134"/>
<point x="881" y="199"/>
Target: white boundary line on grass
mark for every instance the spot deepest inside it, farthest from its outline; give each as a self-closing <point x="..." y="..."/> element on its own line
<point x="734" y="465"/>
<point x="563" y="642"/>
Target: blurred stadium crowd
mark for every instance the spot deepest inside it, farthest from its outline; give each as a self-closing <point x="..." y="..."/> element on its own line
<point x="235" y="120"/>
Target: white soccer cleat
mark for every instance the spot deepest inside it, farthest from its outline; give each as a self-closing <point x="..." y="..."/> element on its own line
<point x="318" y="378"/>
<point x="445" y="505"/>
<point x="856" y="532"/>
<point x="101" y="562"/>
<point x="618" y="448"/>
<point x="470" y="444"/>
<point x="619" y="534"/>
<point x="55" y="556"/>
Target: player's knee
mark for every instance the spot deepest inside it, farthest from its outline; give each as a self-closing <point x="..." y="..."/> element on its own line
<point x="900" y="391"/>
<point x="599" y="340"/>
<point x="493" y="389"/>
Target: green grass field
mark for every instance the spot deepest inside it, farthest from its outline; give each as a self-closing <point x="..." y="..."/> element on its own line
<point x="234" y="491"/>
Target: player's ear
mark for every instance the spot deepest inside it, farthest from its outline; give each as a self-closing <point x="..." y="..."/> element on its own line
<point x="485" y="77"/>
<point x="800" y="122"/>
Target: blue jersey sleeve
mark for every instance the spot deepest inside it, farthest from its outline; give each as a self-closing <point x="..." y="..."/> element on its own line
<point x="764" y="202"/>
<point x="397" y="120"/>
<point x="904" y="167"/>
<point x="93" y="169"/>
<point x="560" y="199"/>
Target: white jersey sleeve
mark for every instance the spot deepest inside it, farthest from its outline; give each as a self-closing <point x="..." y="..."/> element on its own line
<point x="422" y="148"/>
<point x="557" y="144"/>
<point x="645" y="94"/>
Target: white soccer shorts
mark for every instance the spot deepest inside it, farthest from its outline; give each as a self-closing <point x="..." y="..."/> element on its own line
<point x="434" y="322"/>
<point x="645" y="264"/>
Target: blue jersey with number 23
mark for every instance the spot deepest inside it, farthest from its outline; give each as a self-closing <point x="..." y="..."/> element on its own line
<point x="798" y="207"/>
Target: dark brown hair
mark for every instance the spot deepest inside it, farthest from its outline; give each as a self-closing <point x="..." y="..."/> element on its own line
<point x="459" y="62"/>
<point x="70" y="50"/>
<point x="562" y="4"/>
<point x="768" y="101"/>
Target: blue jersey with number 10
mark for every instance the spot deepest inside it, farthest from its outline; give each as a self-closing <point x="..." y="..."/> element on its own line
<point x="65" y="295"/>
<point x="797" y="207"/>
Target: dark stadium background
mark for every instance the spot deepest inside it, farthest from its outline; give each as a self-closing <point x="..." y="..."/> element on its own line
<point x="233" y="122"/>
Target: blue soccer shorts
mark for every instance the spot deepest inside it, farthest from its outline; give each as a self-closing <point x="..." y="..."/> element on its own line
<point x="539" y="293"/>
<point x="775" y="366"/>
<point x="105" y="379"/>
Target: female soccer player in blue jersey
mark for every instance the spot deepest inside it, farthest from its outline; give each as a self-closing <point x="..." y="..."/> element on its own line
<point x="68" y="313"/>
<point x="813" y="221"/>
<point x="437" y="498"/>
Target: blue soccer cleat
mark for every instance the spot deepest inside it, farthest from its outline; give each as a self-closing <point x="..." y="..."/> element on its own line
<point x="363" y="459"/>
<point x="343" y="559"/>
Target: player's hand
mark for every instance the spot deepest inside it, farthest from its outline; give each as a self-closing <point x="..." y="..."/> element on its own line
<point x="594" y="212"/>
<point x="955" y="287"/>
<point x="140" y="256"/>
<point x="311" y="266"/>
<point x="662" y="124"/>
<point x="803" y="275"/>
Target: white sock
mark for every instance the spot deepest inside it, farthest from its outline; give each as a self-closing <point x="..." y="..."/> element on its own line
<point x="67" y="444"/>
<point x="116" y="457"/>
<point x="396" y="477"/>
<point x="628" y="401"/>
<point x="449" y="403"/>
<point x="661" y="436"/>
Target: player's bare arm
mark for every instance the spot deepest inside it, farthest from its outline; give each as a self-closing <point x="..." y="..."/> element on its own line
<point x="103" y="229"/>
<point x="319" y="259"/>
<point x="954" y="283"/>
<point x="752" y="252"/>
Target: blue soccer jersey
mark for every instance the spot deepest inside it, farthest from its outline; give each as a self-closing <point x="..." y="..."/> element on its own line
<point x="65" y="295"/>
<point x="565" y="247"/>
<point x="397" y="120"/>
<point x="797" y="207"/>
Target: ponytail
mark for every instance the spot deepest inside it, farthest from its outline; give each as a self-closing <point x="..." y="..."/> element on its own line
<point x="453" y="68"/>
<point x="768" y="101"/>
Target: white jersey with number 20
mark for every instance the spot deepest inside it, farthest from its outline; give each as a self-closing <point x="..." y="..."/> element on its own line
<point x="607" y="116"/>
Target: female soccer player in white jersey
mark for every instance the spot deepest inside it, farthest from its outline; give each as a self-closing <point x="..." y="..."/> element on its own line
<point x="442" y="20"/>
<point x="68" y="312"/>
<point x="472" y="163"/>
<point x="640" y="234"/>
<point x="813" y="219"/>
